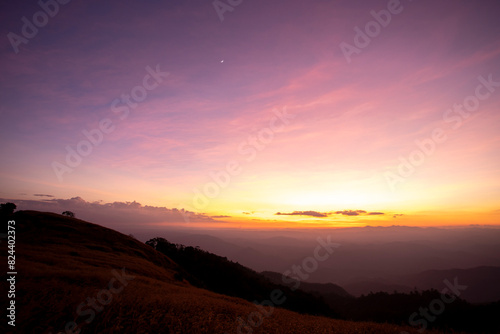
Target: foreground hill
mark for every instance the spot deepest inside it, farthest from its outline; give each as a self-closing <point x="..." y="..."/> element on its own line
<point x="77" y="277"/>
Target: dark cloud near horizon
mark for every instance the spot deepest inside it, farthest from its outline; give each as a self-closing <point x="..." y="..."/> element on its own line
<point x="351" y="212"/>
<point x="44" y="195"/>
<point x="326" y="214"/>
<point x="303" y="213"/>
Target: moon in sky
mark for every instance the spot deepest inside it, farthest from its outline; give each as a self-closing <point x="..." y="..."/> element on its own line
<point x="222" y="61"/>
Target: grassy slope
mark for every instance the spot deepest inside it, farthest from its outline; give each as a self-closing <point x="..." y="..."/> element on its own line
<point x="62" y="261"/>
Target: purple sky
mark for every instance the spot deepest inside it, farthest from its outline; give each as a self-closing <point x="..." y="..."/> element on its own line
<point x="350" y="119"/>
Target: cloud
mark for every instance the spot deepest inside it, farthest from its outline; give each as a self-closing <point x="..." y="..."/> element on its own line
<point x="326" y="214"/>
<point x="222" y="216"/>
<point x="351" y="212"/>
<point x="43" y="195"/>
<point x="304" y="213"/>
<point x="113" y="214"/>
<point x="397" y="215"/>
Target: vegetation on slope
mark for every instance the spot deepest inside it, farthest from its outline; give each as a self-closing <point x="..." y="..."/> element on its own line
<point x="77" y="277"/>
<point x="218" y="274"/>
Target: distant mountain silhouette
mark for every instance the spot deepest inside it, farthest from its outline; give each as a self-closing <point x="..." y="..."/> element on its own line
<point x="482" y="283"/>
<point x="321" y="288"/>
<point x="396" y="307"/>
<point x="359" y="288"/>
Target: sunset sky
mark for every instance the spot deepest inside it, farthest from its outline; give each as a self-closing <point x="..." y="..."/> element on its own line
<point x="238" y="113"/>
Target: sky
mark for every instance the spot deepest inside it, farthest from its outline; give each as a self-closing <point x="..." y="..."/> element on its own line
<point x="253" y="113"/>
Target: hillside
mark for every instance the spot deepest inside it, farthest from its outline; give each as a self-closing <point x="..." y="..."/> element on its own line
<point x="237" y="251"/>
<point x="220" y="275"/>
<point x="74" y="277"/>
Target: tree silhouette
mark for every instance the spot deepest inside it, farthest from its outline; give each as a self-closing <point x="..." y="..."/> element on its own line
<point x="7" y="208"/>
<point x="69" y="214"/>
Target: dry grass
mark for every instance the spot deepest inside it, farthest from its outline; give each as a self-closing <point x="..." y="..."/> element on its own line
<point x="62" y="262"/>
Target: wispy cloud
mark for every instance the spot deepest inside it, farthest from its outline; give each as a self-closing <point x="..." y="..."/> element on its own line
<point x="352" y="120"/>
